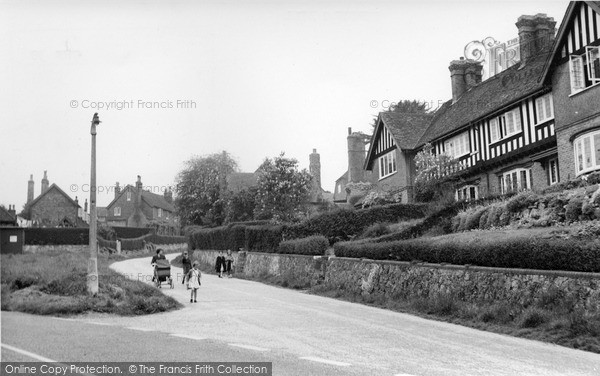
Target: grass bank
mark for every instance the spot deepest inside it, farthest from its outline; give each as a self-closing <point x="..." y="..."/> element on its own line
<point x="55" y="284"/>
<point x="551" y="320"/>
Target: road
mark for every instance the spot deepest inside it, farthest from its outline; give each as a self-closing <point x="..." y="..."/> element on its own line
<point x="302" y="334"/>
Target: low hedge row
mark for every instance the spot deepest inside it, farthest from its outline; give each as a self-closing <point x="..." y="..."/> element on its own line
<point x="523" y="253"/>
<point x="343" y="224"/>
<point x="57" y="236"/>
<point x="313" y="245"/>
<point x="166" y="239"/>
<point x="131" y="232"/>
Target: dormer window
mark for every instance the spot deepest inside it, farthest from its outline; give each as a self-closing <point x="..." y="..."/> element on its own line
<point x="511" y="123"/>
<point x="544" y="108"/>
<point x="494" y="130"/>
<point x="457" y="146"/>
<point x="128" y="195"/>
<point x="585" y="69"/>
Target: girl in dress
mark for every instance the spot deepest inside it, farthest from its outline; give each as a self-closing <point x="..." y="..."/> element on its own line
<point x="193" y="278"/>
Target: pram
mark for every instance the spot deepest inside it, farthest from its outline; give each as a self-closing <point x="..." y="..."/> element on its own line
<point x="162" y="273"/>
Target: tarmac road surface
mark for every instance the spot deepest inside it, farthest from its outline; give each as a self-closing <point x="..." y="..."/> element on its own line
<point x="302" y="334"/>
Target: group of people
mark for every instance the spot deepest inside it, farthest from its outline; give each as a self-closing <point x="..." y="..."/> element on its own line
<point x="224" y="263"/>
<point x="193" y="276"/>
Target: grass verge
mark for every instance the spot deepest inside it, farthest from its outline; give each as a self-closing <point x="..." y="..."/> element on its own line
<point x="54" y="283"/>
<point x="551" y="319"/>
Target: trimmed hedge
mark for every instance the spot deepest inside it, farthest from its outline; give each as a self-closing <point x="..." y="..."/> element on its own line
<point x="344" y="224"/>
<point x="258" y="238"/>
<point x="166" y="239"/>
<point x="313" y="245"/>
<point x="57" y="236"/>
<point x="522" y="253"/>
<point x="132" y="232"/>
<point x="263" y="238"/>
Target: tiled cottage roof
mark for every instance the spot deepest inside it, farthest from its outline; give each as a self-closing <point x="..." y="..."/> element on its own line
<point x="237" y="181"/>
<point x="5" y="216"/>
<point x="407" y="128"/>
<point x="490" y="96"/>
<point x="157" y="201"/>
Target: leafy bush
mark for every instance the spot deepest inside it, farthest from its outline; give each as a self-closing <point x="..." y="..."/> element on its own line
<point x="57" y="236"/>
<point x="522" y="252"/>
<point x="573" y="209"/>
<point x="375" y="230"/>
<point x="313" y="245"/>
<point x="521" y="201"/>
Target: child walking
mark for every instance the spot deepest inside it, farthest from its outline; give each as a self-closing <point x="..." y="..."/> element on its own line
<point x="193" y="278"/>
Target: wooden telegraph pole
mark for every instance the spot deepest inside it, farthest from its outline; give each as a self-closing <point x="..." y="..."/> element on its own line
<point x="92" y="281"/>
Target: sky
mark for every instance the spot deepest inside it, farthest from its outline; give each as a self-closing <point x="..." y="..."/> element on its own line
<point x="178" y="79"/>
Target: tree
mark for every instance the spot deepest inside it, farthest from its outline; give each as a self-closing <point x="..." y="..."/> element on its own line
<point x="200" y="189"/>
<point x="240" y="205"/>
<point x="435" y="174"/>
<point x="282" y="190"/>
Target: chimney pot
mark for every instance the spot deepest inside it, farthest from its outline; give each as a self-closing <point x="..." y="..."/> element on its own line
<point x="349" y="131"/>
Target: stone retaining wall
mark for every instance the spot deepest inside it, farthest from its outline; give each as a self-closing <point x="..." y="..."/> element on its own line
<point x="402" y="280"/>
<point x="469" y="284"/>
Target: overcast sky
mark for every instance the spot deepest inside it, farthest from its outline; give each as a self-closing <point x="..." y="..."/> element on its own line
<point x="257" y="78"/>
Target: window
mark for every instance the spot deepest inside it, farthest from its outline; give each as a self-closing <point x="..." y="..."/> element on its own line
<point x="457" y="146"/>
<point x="467" y="193"/>
<point x="544" y="108"/>
<point x="585" y="69"/>
<point x="160" y="212"/>
<point x="128" y="195"/>
<point x="511" y="123"/>
<point x="515" y="180"/>
<point x="553" y="171"/>
<point x="587" y="152"/>
<point x="387" y="164"/>
<point x="494" y="130"/>
<point x="117" y="211"/>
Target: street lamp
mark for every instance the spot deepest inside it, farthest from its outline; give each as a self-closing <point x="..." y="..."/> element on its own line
<point x="92" y="279"/>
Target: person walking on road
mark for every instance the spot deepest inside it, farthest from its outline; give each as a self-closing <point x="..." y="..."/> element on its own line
<point x="187" y="265"/>
<point x="194" y="281"/>
<point x="220" y="264"/>
<point x="228" y="262"/>
<point x="159" y="256"/>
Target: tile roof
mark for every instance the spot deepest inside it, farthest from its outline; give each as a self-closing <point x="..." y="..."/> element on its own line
<point x="5" y="216"/>
<point x="237" y="181"/>
<point x="157" y="201"/>
<point x="486" y="98"/>
<point x="57" y="188"/>
<point x="407" y="128"/>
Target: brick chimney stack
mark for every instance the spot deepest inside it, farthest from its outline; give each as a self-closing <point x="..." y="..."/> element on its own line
<point x="168" y="195"/>
<point x="45" y="182"/>
<point x="30" y="185"/>
<point x="85" y="206"/>
<point x="536" y="34"/>
<point x="356" y="155"/>
<point x="315" y="172"/>
<point x="117" y="189"/>
<point x="464" y="75"/>
<point x="12" y="211"/>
